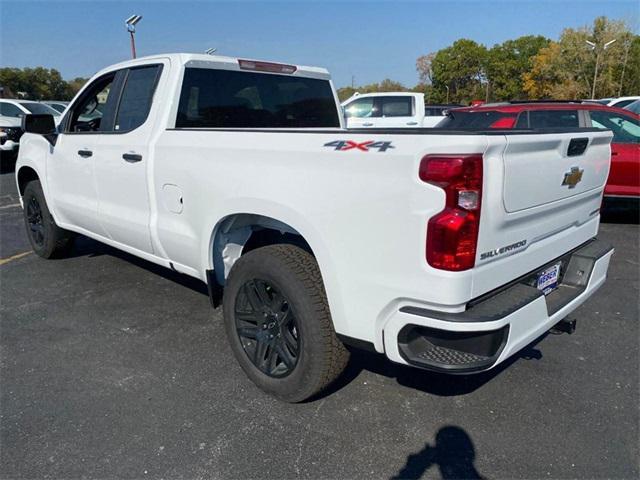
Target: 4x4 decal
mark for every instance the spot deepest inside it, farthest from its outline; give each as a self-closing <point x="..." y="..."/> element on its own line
<point x="344" y="145"/>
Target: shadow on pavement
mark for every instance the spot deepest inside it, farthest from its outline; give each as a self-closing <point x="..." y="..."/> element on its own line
<point x="429" y="382"/>
<point x="453" y="454"/>
<point x="433" y="383"/>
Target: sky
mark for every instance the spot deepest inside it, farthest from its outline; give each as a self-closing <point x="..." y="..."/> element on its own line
<point x="366" y="40"/>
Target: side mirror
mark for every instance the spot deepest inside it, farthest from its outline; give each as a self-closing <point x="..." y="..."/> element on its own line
<point x="40" y="124"/>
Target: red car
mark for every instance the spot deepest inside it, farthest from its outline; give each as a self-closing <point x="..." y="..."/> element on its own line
<point x="624" y="176"/>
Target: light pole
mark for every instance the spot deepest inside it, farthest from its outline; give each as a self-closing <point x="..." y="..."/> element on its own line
<point x="131" y="28"/>
<point x="593" y="47"/>
<point x="447" y="87"/>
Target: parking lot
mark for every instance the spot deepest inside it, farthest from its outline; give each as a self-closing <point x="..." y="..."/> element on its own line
<point x="113" y="367"/>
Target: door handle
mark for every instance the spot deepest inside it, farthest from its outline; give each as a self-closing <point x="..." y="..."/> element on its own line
<point x="85" y="153"/>
<point x="412" y="123"/>
<point x="132" y="157"/>
<point x="367" y="124"/>
<point x="614" y="153"/>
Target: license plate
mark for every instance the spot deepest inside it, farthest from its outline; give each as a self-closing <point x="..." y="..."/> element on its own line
<point x="548" y="279"/>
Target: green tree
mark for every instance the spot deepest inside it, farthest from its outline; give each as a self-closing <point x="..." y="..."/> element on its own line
<point x="567" y="69"/>
<point x="459" y="72"/>
<point x="508" y="62"/>
<point x="387" y="85"/>
<point x="39" y="83"/>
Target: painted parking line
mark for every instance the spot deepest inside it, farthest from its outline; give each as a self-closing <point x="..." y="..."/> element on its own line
<point x="13" y="257"/>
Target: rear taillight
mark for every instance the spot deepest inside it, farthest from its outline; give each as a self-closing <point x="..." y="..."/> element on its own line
<point x="452" y="234"/>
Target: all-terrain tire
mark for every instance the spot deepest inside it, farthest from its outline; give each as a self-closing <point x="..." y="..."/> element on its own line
<point x="47" y="239"/>
<point x="292" y="274"/>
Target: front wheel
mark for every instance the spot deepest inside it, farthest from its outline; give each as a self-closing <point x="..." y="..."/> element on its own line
<point x="47" y="239"/>
<point x="278" y="323"/>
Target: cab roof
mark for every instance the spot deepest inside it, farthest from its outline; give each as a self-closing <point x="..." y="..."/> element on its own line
<point x="217" y="61"/>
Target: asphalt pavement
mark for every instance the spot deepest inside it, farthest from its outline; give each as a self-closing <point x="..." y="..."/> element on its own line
<point x="111" y="367"/>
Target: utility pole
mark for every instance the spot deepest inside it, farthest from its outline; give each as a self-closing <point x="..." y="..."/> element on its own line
<point x="131" y="28"/>
<point x="593" y="47"/>
<point x="353" y="81"/>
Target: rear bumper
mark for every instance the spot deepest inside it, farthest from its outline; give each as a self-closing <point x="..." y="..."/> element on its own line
<point x="498" y="324"/>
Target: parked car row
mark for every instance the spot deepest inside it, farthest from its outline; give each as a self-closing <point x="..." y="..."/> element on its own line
<point x="407" y="110"/>
<point x="11" y="113"/>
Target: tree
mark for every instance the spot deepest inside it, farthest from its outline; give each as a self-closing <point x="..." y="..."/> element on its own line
<point x="567" y="69"/>
<point x="387" y="85"/>
<point x="39" y="83"/>
<point x="508" y="62"/>
<point x="459" y="72"/>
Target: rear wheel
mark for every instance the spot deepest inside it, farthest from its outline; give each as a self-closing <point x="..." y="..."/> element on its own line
<point x="46" y="238"/>
<point x="278" y="323"/>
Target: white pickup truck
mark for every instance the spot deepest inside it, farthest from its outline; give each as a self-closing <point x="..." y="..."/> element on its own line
<point x="392" y="110"/>
<point x="444" y="250"/>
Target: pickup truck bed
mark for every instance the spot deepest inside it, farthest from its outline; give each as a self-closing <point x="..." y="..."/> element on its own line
<point x="444" y="250"/>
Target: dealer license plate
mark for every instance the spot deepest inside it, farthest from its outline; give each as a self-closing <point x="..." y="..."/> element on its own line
<point x="548" y="279"/>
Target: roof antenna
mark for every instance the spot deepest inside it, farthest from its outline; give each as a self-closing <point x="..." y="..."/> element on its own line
<point x="210" y="51"/>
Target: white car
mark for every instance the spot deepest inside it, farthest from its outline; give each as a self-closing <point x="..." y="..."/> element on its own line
<point x="448" y="251"/>
<point x="620" y="102"/>
<point x="57" y="105"/>
<point x="19" y="108"/>
<point x="10" y="133"/>
<point x="392" y="110"/>
<point x="634" y="107"/>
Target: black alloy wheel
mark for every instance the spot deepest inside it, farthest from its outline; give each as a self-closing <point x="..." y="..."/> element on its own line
<point x="266" y="325"/>
<point x="35" y="222"/>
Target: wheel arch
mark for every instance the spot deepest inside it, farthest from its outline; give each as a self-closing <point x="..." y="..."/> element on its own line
<point x="240" y="232"/>
<point x="25" y="175"/>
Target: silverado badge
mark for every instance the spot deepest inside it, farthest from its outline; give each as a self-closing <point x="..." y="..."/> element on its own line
<point x="572" y="178"/>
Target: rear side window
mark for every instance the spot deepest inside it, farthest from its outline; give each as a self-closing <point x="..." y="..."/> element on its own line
<point x="477" y="120"/>
<point x="553" y="119"/>
<point x="136" y="98"/>
<point x="231" y="99"/>
<point x="397" y="106"/>
<point x="625" y="128"/>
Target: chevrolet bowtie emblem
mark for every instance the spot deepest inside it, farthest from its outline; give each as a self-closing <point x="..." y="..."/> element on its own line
<point x="572" y="178"/>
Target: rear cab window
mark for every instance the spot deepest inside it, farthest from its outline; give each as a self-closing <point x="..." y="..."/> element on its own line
<point x="212" y="98"/>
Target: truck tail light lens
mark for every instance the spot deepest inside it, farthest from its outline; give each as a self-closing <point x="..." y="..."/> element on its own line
<point x="452" y="234"/>
<point x="266" y="66"/>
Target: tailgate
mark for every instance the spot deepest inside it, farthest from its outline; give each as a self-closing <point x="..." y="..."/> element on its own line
<point x="542" y="195"/>
<point x="540" y="169"/>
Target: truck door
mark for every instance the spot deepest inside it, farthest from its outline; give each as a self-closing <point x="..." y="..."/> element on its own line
<point x="122" y="170"/>
<point x="70" y="165"/>
<point x="397" y="112"/>
<point x="363" y="113"/>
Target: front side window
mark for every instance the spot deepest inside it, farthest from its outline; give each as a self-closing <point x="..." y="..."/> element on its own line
<point x="136" y="98"/>
<point x="397" y="106"/>
<point x="362" y="108"/>
<point x="86" y="115"/>
<point x="625" y="128"/>
<point x="231" y="99"/>
<point x="10" y="110"/>
<point x="553" y="119"/>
